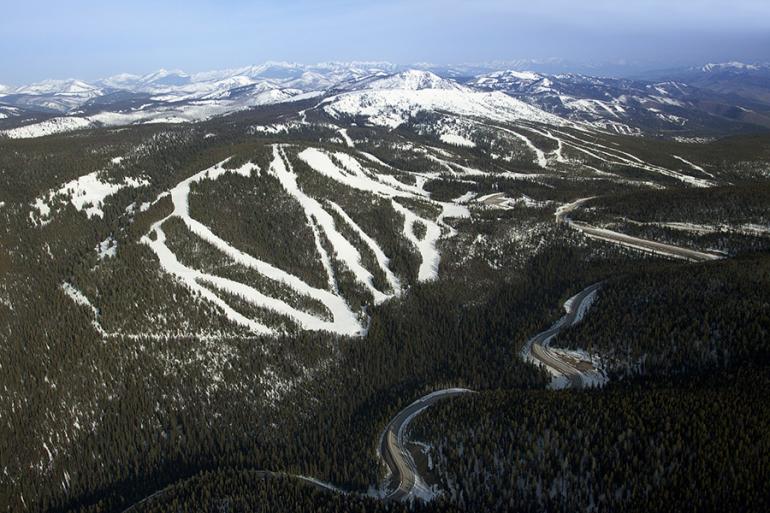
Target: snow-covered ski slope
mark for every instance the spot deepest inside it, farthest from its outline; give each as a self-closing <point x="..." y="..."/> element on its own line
<point x="527" y="144"/>
<point x="323" y="217"/>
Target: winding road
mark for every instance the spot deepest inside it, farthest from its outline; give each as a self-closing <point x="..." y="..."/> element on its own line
<point x="392" y="450"/>
<point x="403" y="471"/>
<point x="260" y="474"/>
<point x="537" y="348"/>
<point x="627" y="240"/>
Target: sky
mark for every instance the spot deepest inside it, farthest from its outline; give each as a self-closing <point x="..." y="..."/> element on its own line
<point x="90" y="39"/>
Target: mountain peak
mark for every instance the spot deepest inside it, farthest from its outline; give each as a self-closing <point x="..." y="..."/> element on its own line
<point x="65" y="87"/>
<point x="409" y="80"/>
<point x="164" y="77"/>
<point x="732" y="65"/>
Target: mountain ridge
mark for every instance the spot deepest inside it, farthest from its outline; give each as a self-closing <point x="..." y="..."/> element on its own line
<point x="684" y="103"/>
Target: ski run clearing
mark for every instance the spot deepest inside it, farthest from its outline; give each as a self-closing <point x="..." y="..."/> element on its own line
<point x="347" y="171"/>
<point x="457" y="140"/>
<point x="85" y="193"/>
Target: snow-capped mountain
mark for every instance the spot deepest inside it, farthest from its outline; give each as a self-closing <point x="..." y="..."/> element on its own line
<point x="389" y="95"/>
<point x="392" y="100"/>
<point x="746" y="81"/>
<point x="409" y="80"/>
<point x="734" y="66"/>
<point x="70" y="87"/>
<point x="621" y="105"/>
<point x="6" y="111"/>
<point x="53" y="95"/>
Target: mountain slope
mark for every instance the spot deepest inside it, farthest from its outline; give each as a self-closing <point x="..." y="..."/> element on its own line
<point x="712" y="100"/>
<point x="391" y="101"/>
<point x="629" y="106"/>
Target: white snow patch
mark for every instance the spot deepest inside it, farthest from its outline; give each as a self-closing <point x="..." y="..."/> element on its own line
<point x="108" y="248"/>
<point x="457" y="140"/>
<point x="344" y="133"/>
<point x="86" y="193"/>
<point x="694" y="166"/>
<point x="394" y="107"/>
<point x="48" y="127"/>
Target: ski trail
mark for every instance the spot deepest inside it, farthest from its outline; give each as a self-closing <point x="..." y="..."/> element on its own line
<point x="345" y="137"/>
<point x="560" y="144"/>
<point x="589" y="153"/>
<point x="610" y="152"/>
<point x="355" y="176"/>
<point x="367" y="178"/>
<point x="372" y="158"/>
<point x="469" y="171"/>
<point x="171" y="265"/>
<point x="352" y="176"/>
<point x="635" y="162"/>
<point x="253" y="296"/>
<point x="574" y="141"/>
<point x="180" y="198"/>
<point x="539" y="154"/>
<point x="443" y="163"/>
<point x="344" y="320"/>
<point x="427" y="246"/>
<point x="80" y="299"/>
<point x="382" y="259"/>
<point x="694" y="166"/>
<point x="326" y="261"/>
<point x="345" y="251"/>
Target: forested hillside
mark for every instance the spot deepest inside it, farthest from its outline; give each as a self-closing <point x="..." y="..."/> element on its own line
<point x="191" y="308"/>
<point x="680" y="319"/>
<point x="692" y="444"/>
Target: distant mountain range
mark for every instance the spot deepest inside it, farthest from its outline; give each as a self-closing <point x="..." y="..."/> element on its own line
<point x="714" y="98"/>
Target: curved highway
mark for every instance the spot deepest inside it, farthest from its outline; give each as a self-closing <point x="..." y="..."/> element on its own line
<point x="404" y="478"/>
<point x="260" y="474"/>
<point x="392" y="450"/>
<point x="628" y="240"/>
<point x="537" y="348"/>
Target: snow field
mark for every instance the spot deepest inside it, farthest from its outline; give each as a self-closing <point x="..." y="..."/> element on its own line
<point x="85" y="193"/>
<point x="457" y="140"/>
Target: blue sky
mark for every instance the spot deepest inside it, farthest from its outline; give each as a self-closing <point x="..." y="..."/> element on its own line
<point x="90" y="39"/>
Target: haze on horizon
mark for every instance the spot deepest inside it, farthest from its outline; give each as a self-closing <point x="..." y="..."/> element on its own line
<point x="89" y="39"/>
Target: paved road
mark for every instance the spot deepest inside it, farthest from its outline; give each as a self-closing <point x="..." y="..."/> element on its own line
<point x="537" y="346"/>
<point x="628" y="240"/>
<point x="394" y="452"/>
<point x="643" y="244"/>
<point x="260" y="474"/>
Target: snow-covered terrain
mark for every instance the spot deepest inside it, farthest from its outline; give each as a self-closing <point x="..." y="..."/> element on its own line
<point x="457" y="140"/>
<point x="347" y="171"/>
<point x="85" y="193"/>
<point x="394" y="100"/>
<point x="48" y="127"/>
<point x="387" y="94"/>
